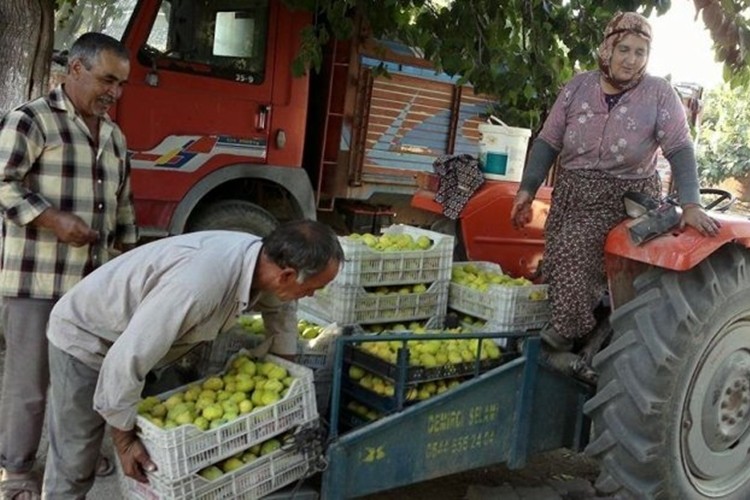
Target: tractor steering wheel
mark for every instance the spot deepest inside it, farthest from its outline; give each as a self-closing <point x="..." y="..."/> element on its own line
<point x="717" y="200"/>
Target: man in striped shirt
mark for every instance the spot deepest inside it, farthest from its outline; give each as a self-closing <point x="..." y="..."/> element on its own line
<point x="67" y="208"/>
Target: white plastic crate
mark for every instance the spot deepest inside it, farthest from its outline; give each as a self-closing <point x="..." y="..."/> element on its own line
<point x="226" y="345"/>
<point x="347" y="305"/>
<point x="505" y="308"/>
<point x="186" y="449"/>
<point x="317" y="353"/>
<point x="255" y="480"/>
<point x="367" y="267"/>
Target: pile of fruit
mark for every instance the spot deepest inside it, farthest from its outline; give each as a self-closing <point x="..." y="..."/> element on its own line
<point x="219" y="399"/>
<point x="435" y="353"/>
<point x="253" y="324"/>
<point x="474" y="276"/>
<point x="253" y="453"/>
<point x="386" y="388"/>
<point x="363" y="411"/>
<point x="392" y="242"/>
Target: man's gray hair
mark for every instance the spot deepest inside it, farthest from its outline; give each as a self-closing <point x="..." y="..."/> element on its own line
<point x="304" y="245"/>
<point x="89" y="45"/>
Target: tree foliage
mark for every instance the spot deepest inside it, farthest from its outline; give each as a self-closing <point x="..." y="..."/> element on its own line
<point x="724" y="137"/>
<point x="521" y="51"/>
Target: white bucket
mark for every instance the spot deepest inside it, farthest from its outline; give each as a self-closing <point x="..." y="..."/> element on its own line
<point x="502" y="151"/>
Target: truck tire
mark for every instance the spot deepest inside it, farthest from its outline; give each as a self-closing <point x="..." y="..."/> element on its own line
<point x="233" y="215"/>
<point x="671" y="413"/>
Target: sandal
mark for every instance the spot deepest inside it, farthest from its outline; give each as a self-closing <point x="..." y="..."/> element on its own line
<point x="104" y="466"/>
<point x="11" y="489"/>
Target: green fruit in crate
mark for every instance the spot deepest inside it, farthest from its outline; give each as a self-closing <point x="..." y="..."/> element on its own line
<point x="223" y="395"/>
<point x="211" y="473"/>
<point x="288" y="381"/>
<point x="538" y="295"/>
<point x="207" y="394"/>
<point x="158" y="410"/>
<point x="157" y="421"/>
<point x="454" y="357"/>
<point x="145" y="405"/>
<point x="269" y="397"/>
<point x="274" y="385"/>
<point x="229" y="416"/>
<point x="173" y="401"/>
<point x="238" y="396"/>
<point x="239" y="361"/>
<point x="245" y="406"/>
<point x="356" y="373"/>
<point x="213" y="412"/>
<point x="202" y="423"/>
<point x="311" y="332"/>
<point x="257" y="397"/>
<point x="203" y="403"/>
<point x="248" y="368"/>
<point x="231" y="464"/>
<point x="217" y="423"/>
<point x="192" y="394"/>
<point x="269" y="446"/>
<point x="213" y="383"/>
<point x="249" y="457"/>
<point x="423" y="242"/>
<point x="493" y="351"/>
<point x="177" y="410"/>
<point x="170" y="424"/>
<point x="184" y="418"/>
<point x="277" y="372"/>
<point x="244" y="384"/>
<point x="229" y="407"/>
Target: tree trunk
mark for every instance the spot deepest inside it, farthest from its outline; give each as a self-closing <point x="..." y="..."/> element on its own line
<point x="26" y="37"/>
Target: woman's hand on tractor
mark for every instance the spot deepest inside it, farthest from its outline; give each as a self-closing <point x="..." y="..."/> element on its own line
<point x="694" y="216"/>
<point x="520" y="213"/>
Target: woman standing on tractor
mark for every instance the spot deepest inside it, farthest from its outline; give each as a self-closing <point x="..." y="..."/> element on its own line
<point x="606" y="126"/>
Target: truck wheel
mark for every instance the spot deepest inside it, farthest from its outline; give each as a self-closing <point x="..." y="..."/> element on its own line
<point x="672" y="410"/>
<point x="233" y="215"/>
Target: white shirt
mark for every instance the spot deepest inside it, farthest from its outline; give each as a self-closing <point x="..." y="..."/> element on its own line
<point x="151" y="305"/>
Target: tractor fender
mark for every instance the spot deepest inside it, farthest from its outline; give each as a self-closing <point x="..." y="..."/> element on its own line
<point x="679" y="250"/>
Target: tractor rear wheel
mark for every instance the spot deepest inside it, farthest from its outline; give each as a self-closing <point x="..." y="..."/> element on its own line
<point x="233" y="215"/>
<point x="672" y="410"/>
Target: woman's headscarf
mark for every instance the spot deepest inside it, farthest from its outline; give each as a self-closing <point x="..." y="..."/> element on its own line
<point x="622" y="25"/>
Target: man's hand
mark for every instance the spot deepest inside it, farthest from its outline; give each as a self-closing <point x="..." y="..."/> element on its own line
<point x="133" y="456"/>
<point x="69" y="228"/>
<point x="694" y="216"/>
<point x="520" y="213"/>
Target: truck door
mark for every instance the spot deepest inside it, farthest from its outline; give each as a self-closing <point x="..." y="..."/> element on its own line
<point x="201" y="77"/>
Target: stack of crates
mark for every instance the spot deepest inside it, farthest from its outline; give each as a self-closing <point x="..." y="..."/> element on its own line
<point x="389" y="284"/>
<point x="504" y="308"/>
<point x="181" y="452"/>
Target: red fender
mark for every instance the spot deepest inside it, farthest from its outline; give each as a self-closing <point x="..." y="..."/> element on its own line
<point x="679" y="251"/>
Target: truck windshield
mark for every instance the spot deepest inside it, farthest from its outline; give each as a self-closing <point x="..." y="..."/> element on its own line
<point x="225" y="39"/>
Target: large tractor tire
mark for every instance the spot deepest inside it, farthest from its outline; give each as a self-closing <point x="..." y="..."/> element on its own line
<point x="671" y="413"/>
<point x="234" y="215"/>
